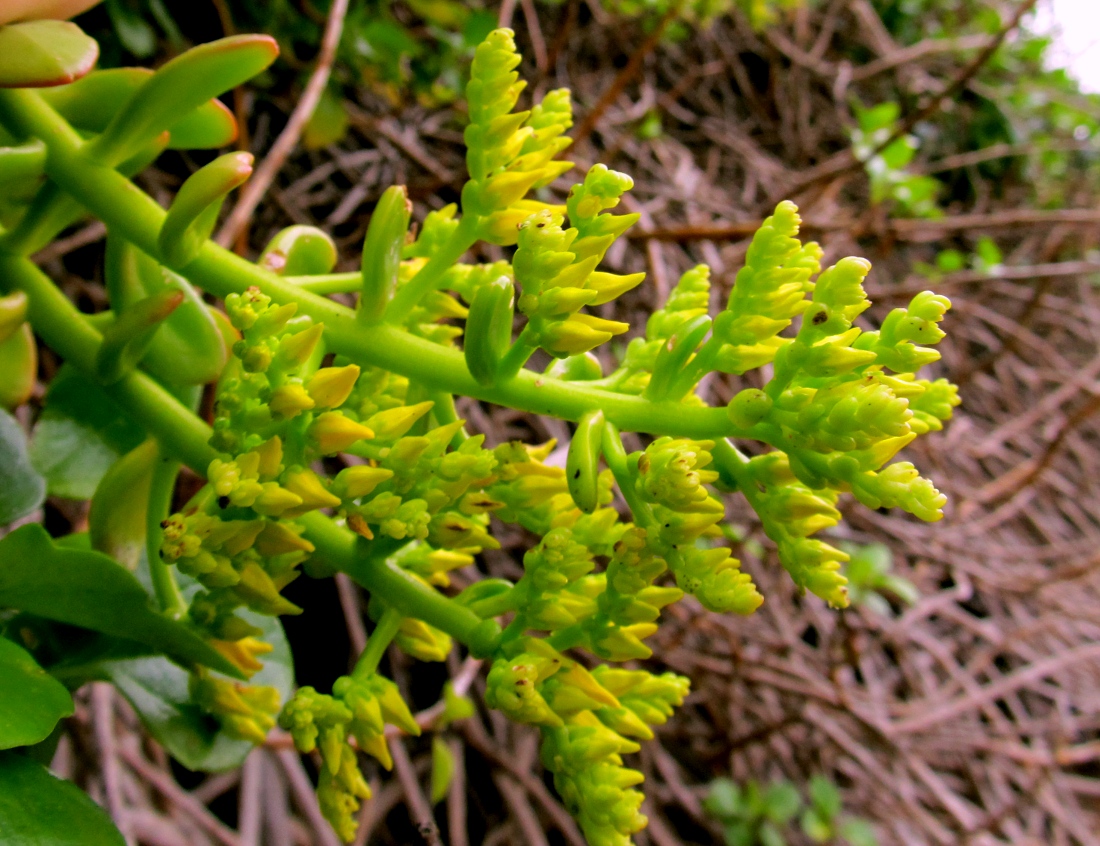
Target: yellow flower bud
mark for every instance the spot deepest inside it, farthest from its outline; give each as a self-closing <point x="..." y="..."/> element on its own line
<point x="278" y="538"/>
<point x="330" y="386"/>
<point x="296" y="349"/>
<point x="290" y="400"/>
<point x="306" y="485"/>
<point x="274" y="500"/>
<point x="354" y="482"/>
<point x="243" y="652"/>
<point x="271" y="457"/>
<point x="333" y="432"/>
<point x="395" y="422"/>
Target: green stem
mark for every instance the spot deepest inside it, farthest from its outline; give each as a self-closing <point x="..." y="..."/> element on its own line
<point x="379" y="639"/>
<point x="136" y="217"/>
<point x="397" y="588"/>
<point x="329" y="283"/>
<point x="615" y="455"/>
<point x="517" y="355"/>
<point x="65" y="330"/>
<point x="165" y="471"/>
<point x="427" y="280"/>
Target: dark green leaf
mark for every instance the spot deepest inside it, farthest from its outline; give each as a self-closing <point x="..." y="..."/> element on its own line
<point x="824" y="796"/>
<point x="37" y="809"/>
<point x="818" y="829"/>
<point x="782" y="802"/>
<point x="80" y="435"/>
<point x="724" y="799"/>
<point x="31" y="701"/>
<point x="132" y="29"/>
<point x="89" y="589"/>
<point x="158" y="691"/>
<point x="857" y="832"/>
<point x="22" y="489"/>
<point x="38" y="54"/>
<point x="771" y="836"/>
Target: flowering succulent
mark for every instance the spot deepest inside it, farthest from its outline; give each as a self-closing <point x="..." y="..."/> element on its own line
<point x="336" y="447"/>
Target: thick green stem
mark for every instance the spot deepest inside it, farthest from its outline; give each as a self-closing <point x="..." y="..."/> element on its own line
<point x="516" y="356"/>
<point x="379" y="639"/>
<point x="397" y="588"/>
<point x="165" y="471"/>
<point x="136" y="217"/>
<point x="329" y="283"/>
<point x="428" y="279"/>
<point x="615" y="455"/>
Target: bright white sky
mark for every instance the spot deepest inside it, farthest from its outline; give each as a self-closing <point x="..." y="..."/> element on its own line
<point x="1076" y="25"/>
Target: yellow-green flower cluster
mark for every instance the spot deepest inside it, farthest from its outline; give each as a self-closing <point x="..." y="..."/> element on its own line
<point x="790" y="513"/>
<point x="589" y="775"/>
<point x="508" y="153"/>
<point x="768" y="293"/>
<point x="672" y="478"/>
<point x="360" y="708"/>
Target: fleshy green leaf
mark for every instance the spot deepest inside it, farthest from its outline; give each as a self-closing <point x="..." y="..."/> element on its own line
<point x="158" y="691"/>
<point x="39" y="54"/>
<point x="90" y="104"/>
<point x="22" y="489"/>
<point x="31" y="700"/>
<point x="89" y="589"/>
<point x="38" y="809"/>
<point x="80" y="435"/>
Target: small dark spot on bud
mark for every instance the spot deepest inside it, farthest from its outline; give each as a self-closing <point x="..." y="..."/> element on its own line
<point x="820" y="318"/>
<point x="223" y="502"/>
<point x="165" y="523"/>
<point x="577" y="473"/>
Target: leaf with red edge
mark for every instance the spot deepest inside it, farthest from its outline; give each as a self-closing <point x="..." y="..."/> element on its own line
<point x="41" y="54"/>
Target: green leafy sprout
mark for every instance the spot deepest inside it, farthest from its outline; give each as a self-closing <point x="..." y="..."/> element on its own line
<point x="335" y="444"/>
<point x="763" y="815"/>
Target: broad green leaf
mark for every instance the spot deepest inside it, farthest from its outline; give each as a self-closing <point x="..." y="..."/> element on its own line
<point x="89" y="589"/>
<point x="38" y="809"/>
<point x="31" y="700"/>
<point x="38" y="54"/>
<point x="80" y="435"/>
<point x="116" y="518"/>
<point x="158" y="691"/>
<point x="22" y="489"/>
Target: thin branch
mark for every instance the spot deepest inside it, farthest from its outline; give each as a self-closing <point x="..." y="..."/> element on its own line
<point x="419" y="808"/>
<point x="629" y="71"/>
<point x="183" y="800"/>
<point x="913" y="52"/>
<point x="265" y="173"/>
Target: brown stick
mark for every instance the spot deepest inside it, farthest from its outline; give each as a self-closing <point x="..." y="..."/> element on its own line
<point x="625" y="75"/>
<point x="262" y="177"/>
